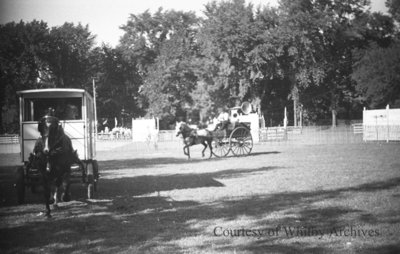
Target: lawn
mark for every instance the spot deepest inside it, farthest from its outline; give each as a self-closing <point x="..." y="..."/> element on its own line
<point x="280" y="199"/>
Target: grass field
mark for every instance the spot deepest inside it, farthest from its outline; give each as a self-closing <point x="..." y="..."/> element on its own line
<point x="280" y="199"/>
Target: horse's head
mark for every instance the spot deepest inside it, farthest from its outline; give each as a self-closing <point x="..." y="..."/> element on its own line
<point x="46" y="124"/>
<point x="182" y="128"/>
<point x="178" y="128"/>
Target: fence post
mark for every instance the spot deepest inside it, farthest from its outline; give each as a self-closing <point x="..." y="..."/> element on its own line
<point x="285" y="121"/>
<point x="387" y="122"/>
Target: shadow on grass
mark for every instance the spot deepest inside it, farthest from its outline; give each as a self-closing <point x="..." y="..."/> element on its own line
<point x="134" y="186"/>
<point x="262" y="153"/>
<point x="386" y="249"/>
<point x="156" y="224"/>
<point x="151" y="162"/>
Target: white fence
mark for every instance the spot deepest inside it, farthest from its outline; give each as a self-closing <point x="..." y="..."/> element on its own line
<point x="381" y="124"/>
<point x="276" y="135"/>
<point x="145" y="130"/>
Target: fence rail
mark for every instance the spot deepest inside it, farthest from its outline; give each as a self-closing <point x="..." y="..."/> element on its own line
<point x="302" y="135"/>
<point x="9" y="139"/>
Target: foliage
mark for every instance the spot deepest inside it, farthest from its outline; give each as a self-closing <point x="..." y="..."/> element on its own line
<point x="376" y="68"/>
<point x="68" y="55"/>
<point x="378" y="76"/>
<point x="22" y="63"/>
<point x="320" y="56"/>
<point x="117" y="82"/>
<point x="394" y="9"/>
<point x="225" y="38"/>
<point x="164" y="50"/>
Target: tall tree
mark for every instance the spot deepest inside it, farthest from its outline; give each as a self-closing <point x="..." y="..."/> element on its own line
<point x="225" y="38"/>
<point x="311" y="46"/>
<point x="117" y="81"/>
<point x="163" y="46"/>
<point x="378" y="76"/>
<point x="68" y="56"/>
<point x="376" y="69"/>
<point x="22" y="64"/>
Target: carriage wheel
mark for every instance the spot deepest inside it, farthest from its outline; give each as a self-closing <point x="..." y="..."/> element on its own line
<point x="220" y="147"/>
<point x="92" y="177"/>
<point x="20" y="185"/>
<point x="240" y="141"/>
<point x="90" y="187"/>
<point x="96" y="174"/>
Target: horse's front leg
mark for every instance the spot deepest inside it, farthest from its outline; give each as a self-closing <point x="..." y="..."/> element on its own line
<point x="186" y="151"/>
<point x="56" y="196"/>
<point x="47" y="194"/>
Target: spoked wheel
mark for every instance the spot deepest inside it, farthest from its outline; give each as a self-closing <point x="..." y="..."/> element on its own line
<point x="220" y="147"/>
<point x="240" y="141"/>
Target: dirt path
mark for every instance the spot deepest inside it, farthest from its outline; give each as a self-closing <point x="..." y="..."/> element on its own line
<point x="303" y="199"/>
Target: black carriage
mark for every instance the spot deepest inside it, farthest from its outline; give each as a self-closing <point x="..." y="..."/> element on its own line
<point x="75" y="111"/>
<point x="236" y="138"/>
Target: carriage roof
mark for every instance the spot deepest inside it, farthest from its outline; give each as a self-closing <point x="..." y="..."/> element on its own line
<point x="53" y="93"/>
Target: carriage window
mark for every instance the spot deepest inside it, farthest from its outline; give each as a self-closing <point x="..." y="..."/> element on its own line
<point x="64" y="108"/>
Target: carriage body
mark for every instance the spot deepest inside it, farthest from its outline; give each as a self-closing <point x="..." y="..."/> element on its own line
<point x="75" y="110"/>
<point x="237" y="137"/>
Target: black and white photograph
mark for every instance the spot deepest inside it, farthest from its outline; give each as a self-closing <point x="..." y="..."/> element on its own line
<point x="201" y="126"/>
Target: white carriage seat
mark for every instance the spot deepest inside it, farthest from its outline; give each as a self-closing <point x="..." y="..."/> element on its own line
<point x="202" y="132"/>
<point x="211" y="127"/>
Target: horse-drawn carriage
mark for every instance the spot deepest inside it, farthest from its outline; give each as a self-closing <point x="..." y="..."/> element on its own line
<point x="74" y="111"/>
<point x="235" y="137"/>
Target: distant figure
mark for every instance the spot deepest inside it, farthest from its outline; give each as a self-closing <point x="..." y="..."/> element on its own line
<point x="222" y="119"/>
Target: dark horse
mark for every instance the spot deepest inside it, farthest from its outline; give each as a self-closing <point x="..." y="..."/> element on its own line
<point x="53" y="155"/>
<point x="193" y="137"/>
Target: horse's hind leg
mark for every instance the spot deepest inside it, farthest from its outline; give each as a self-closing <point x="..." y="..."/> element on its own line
<point x="210" y="146"/>
<point x="66" y="196"/>
<point x="205" y="147"/>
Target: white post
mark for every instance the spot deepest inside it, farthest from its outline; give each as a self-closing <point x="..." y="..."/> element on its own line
<point x="387" y="121"/>
<point x="285" y="119"/>
<point x="301" y="116"/>
<point x="285" y="123"/>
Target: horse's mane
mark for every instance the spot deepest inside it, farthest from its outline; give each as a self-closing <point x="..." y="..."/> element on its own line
<point x="56" y="134"/>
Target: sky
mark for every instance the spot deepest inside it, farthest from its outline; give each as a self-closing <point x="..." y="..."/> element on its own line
<point x="104" y="17"/>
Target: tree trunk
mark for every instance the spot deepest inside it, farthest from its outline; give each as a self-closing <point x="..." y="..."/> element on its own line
<point x="294" y="112"/>
<point x="333" y="108"/>
<point x="301" y="115"/>
<point x="295" y="97"/>
<point x="334" y="118"/>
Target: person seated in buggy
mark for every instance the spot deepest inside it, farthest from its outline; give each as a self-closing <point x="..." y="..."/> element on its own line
<point x="222" y="119"/>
